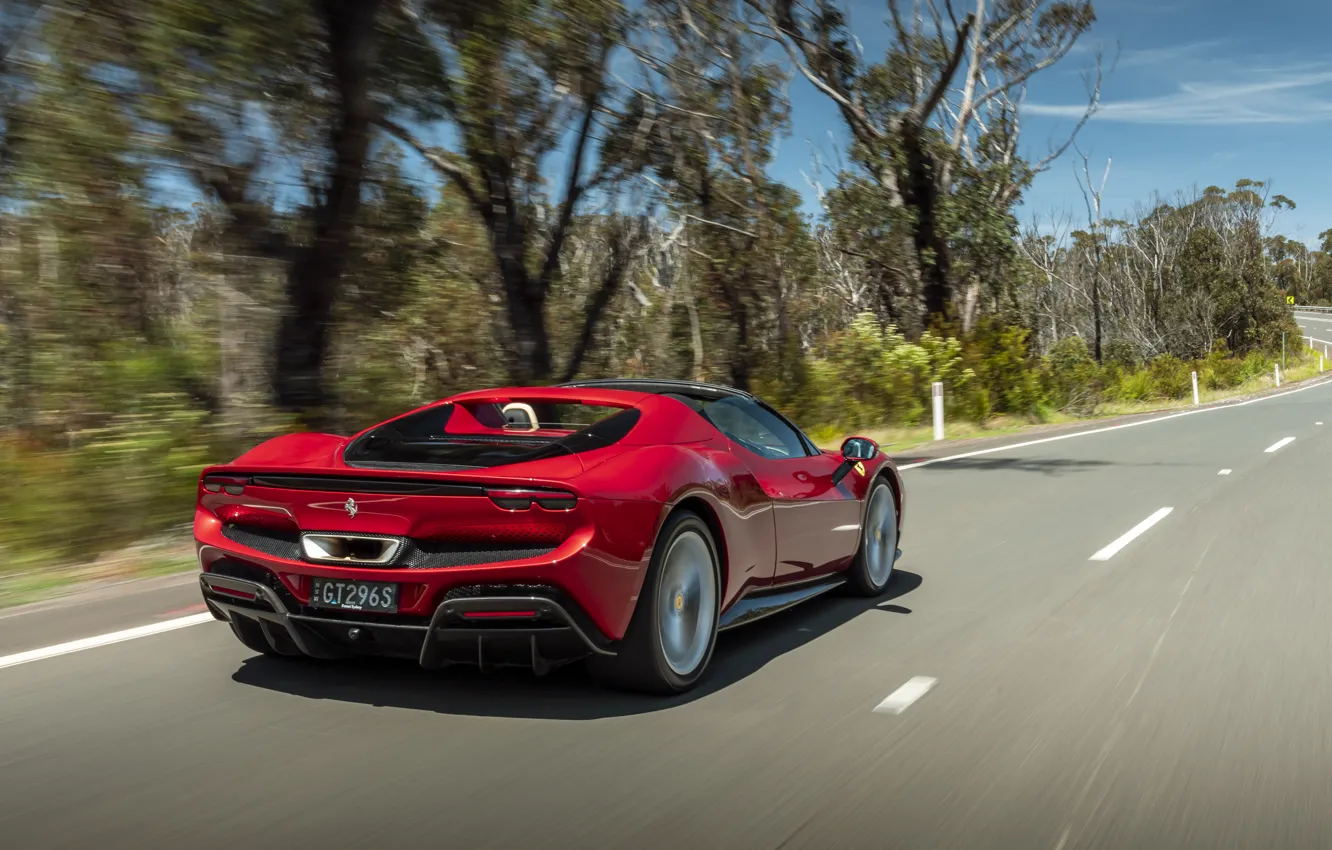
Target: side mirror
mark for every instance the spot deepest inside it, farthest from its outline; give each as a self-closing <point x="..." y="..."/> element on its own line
<point x="858" y="449"/>
<point x="854" y="450"/>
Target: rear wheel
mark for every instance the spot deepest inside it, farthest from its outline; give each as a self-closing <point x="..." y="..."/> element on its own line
<point x="674" y="629"/>
<point x="873" y="567"/>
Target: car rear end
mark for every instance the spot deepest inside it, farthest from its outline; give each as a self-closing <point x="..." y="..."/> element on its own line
<point x="447" y="538"/>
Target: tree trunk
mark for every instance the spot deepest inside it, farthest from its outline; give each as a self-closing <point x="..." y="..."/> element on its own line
<point x="17" y="319"/>
<point x="1096" y="312"/>
<point x="971" y="303"/>
<point x="740" y="357"/>
<point x="228" y="379"/>
<point x="525" y="303"/>
<point x="920" y="191"/>
<point x="623" y="244"/>
<point x="695" y="335"/>
<point x="314" y="278"/>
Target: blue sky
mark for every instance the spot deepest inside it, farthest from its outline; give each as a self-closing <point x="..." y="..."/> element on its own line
<point x="1204" y="92"/>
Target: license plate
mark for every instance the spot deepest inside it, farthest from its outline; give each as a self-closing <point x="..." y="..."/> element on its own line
<point x="354" y="595"/>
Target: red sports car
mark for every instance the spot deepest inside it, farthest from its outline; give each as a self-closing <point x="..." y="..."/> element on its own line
<point x="622" y="521"/>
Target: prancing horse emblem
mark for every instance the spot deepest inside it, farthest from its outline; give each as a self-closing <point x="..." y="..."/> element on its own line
<point x="351" y="507"/>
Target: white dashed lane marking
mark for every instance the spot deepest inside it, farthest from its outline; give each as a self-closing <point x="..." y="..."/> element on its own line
<point x="1129" y="536"/>
<point x="902" y="698"/>
<point x="1279" y="444"/>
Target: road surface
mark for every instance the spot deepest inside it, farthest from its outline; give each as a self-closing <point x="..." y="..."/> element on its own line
<point x="1036" y="679"/>
<point x="1318" y="327"/>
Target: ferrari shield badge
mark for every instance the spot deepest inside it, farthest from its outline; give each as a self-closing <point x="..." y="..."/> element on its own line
<point x="860" y="468"/>
<point x="350" y="507"/>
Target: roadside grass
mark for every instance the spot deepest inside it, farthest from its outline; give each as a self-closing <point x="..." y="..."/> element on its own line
<point x="164" y="555"/>
<point x="899" y="439"/>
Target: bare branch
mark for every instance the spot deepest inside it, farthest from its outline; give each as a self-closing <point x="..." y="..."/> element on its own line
<point x="803" y="55"/>
<point x="1093" y="104"/>
<point x="437" y="160"/>
<point x="574" y="188"/>
<point x="921" y="112"/>
<point x="719" y="224"/>
<point x="974" y="70"/>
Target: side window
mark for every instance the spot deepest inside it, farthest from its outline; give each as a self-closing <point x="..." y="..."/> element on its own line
<point x="755" y="428"/>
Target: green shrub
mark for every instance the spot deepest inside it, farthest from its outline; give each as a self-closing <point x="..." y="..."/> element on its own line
<point x="999" y="358"/>
<point x="1254" y="366"/>
<point x="1219" y="372"/>
<point x="1123" y="354"/>
<point x="976" y="405"/>
<point x="1074" y="382"/>
<point x="1170" y="377"/>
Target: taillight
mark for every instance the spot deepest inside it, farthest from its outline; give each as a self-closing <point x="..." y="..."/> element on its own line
<point x="228" y="591"/>
<point x="517" y="499"/>
<point x="255" y="515"/>
<point x="228" y="484"/>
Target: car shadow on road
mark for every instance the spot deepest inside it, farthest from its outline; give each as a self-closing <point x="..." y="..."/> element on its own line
<point x="1046" y="466"/>
<point x="567" y="693"/>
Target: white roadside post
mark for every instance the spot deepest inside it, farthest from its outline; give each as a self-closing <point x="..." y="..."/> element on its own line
<point x="1195" y="387"/>
<point x="1320" y="363"/>
<point x="936" y="399"/>
<point x="1276" y="370"/>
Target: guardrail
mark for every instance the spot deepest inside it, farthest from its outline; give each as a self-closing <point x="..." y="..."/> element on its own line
<point x="1297" y="308"/>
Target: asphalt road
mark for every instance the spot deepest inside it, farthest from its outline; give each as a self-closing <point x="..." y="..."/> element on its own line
<point x="1174" y="694"/>
<point x="1319" y="327"/>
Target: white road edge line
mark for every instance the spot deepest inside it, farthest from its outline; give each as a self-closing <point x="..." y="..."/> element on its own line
<point x="104" y="640"/>
<point x="1129" y="536"/>
<point x="1279" y="444"/>
<point x="902" y="698"/>
<point x="1221" y="406"/>
<point x="1224" y="472"/>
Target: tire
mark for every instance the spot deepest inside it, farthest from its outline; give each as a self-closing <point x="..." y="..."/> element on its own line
<point x="673" y="632"/>
<point x="872" y="569"/>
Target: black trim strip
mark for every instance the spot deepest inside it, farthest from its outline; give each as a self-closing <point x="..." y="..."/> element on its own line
<point x="352" y="484"/>
<point x="767" y="602"/>
<point x="657" y="386"/>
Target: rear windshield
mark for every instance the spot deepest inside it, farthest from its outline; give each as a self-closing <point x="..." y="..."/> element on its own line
<point x="424" y="440"/>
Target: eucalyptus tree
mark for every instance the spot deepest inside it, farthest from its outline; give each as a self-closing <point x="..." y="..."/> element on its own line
<point x="520" y="90"/>
<point x="936" y="123"/>
<point x="266" y="108"/>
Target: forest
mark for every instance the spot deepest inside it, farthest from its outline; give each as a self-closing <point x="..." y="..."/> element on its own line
<point x="220" y="222"/>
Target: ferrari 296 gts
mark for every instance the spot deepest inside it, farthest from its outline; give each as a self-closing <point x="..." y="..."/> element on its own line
<point x="621" y="522"/>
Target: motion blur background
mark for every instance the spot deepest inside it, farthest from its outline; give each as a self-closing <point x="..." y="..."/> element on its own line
<point x="224" y="221"/>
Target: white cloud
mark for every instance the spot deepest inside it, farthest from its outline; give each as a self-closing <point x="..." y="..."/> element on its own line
<point x="1154" y="56"/>
<point x="1293" y="94"/>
